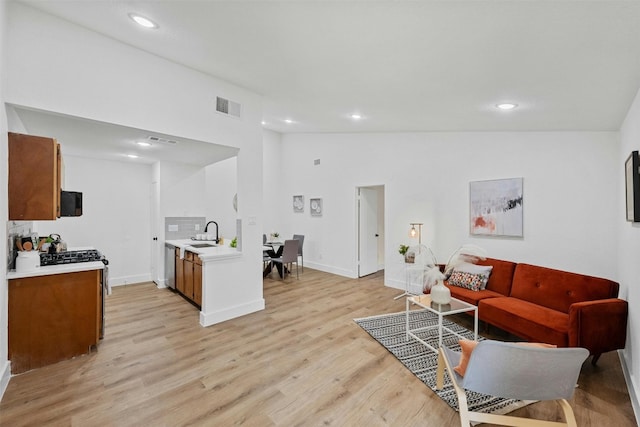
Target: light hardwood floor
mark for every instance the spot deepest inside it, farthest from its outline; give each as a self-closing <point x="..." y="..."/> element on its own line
<point x="300" y="362"/>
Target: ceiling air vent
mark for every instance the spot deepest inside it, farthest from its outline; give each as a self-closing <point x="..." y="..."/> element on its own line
<point x="161" y="140"/>
<point x="227" y="107"/>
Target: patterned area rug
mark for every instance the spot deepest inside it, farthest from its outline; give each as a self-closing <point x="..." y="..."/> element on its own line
<point x="389" y="330"/>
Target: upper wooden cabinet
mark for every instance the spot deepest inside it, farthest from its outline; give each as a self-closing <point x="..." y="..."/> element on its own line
<point x="35" y="174"/>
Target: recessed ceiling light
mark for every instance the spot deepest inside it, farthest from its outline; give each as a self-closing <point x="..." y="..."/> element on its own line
<point x="143" y="144"/>
<point x="142" y="21"/>
<point x="356" y="116"/>
<point x="263" y="123"/>
<point x="507" y="106"/>
<point x="132" y="156"/>
<point x="288" y="121"/>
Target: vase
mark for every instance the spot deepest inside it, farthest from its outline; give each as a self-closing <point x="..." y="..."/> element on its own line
<point x="440" y="294"/>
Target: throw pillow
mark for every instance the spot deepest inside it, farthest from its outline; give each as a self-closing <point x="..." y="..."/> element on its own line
<point x="467" y="347"/>
<point x="475" y="282"/>
<point x="470" y="276"/>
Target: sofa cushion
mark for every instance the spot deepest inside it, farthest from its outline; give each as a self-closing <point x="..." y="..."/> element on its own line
<point x="501" y="275"/>
<point x="472" y="297"/>
<point x="527" y="320"/>
<point x="557" y="289"/>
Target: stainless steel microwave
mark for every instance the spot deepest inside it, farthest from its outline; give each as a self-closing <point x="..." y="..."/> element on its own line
<point x="70" y="203"/>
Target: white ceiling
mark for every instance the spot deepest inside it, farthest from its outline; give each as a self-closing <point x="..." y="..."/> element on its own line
<point x="403" y="65"/>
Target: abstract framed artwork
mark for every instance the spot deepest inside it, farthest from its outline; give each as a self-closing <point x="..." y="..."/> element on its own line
<point x="496" y="207"/>
<point x="298" y="204"/>
<point x="632" y="186"/>
<point x="316" y="207"/>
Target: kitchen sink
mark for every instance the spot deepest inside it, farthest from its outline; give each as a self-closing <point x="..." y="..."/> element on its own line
<point x="203" y="245"/>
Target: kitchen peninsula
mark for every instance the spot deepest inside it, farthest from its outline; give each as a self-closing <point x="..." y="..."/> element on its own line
<point x="210" y="283"/>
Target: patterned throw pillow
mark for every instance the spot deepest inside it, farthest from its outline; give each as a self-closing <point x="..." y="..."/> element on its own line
<point x="472" y="281"/>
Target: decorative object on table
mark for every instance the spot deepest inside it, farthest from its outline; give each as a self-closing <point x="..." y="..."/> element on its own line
<point x="632" y="183"/>
<point x="390" y="331"/>
<point x="316" y="207"/>
<point x="440" y="294"/>
<point x="234" y="243"/>
<point x="298" y="204"/>
<point x="513" y="370"/>
<point x="495" y="207"/>
<point x="433" y="278"/>
<point x="274" y="236"/>
<point x="466" y="253"/>
<point x="402" y="250"/>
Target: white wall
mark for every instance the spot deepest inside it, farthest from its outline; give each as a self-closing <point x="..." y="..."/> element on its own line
<point x="628" y="250"/>
<point x="181" y="190"/>
<point x="570" y="185"/>
<point x="273" y="196"/>
<point x="115" y="217"/>
<point x="5" y="370"/>
<point x="221" y="186"/>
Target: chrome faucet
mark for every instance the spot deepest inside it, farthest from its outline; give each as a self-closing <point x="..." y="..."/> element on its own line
<point x="207" y="226"/>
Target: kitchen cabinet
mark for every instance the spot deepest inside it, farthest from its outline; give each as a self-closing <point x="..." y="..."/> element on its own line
<point x="189" y="277"/>
<point x="53" y="318"/>
<point x="35" y="177"/>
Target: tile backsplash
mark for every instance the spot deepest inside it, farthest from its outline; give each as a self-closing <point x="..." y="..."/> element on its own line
<point x="15" y="229"/>
<point x="183" y="227"/>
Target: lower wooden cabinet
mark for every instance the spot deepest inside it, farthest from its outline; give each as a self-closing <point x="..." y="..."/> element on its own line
<point x="189" y="276"/>
<point x="53" y="318"/>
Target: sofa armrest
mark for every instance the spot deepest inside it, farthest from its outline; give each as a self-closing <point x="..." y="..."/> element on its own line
<point x="599" y="325"/>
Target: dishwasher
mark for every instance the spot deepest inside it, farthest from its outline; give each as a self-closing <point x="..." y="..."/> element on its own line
<point x="170" y="265"/>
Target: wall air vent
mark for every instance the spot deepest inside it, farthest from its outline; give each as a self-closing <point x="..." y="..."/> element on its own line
<point x="230" y="108"/>
<point x="161" y="140"/>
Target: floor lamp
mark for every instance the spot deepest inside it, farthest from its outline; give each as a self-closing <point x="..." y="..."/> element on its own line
<point x="413" y="232"/>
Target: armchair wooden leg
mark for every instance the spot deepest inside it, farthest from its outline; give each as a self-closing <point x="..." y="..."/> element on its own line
<point x="595" y="358"/>
<point x="440" y="371"/>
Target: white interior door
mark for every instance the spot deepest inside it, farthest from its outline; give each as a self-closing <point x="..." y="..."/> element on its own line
<point x="368" y="231"/>
<point x="156" y="241"/>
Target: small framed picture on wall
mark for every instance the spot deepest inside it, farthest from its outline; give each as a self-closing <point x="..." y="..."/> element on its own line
<point x="298" y="204"/>
<point x="316" y="207"/>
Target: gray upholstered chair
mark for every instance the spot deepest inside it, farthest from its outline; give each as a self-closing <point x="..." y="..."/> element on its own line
<point x="515" y="371"/>
<point x="289" y="256"/>
<point x="300" y="238"/>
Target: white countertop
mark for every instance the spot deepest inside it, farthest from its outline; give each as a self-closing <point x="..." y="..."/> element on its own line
<point x="56" y="269"/>
<point x="210" y="253"/>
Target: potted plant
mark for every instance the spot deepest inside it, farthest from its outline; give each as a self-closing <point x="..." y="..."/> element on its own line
<point x="274" y="236"/>
<point x="408" y="257"/>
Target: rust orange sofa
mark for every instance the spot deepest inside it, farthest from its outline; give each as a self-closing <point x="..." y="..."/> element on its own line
<point x="541" y="304"/>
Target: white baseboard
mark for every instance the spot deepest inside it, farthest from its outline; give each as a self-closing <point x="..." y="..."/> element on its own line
<point x="5" y="376"/>
<point x="333" y="270"/>
<point x="414" y="288"/>
<point x="129" y="280"/>
<point x="213" y="317"/>
<point x="631" y="386"/>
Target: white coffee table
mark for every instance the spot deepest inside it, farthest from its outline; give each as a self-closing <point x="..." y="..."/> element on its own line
<point x="454" y="307"/>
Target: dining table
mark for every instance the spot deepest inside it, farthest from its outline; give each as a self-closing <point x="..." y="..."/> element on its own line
<point x="273" y="250"/>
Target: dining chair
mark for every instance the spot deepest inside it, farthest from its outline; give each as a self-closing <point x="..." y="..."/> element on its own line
<point x="511" y="370"/>
<point x="289" y="256"/>
<point x="300" y="238"/>
<point x="264" y="239"/>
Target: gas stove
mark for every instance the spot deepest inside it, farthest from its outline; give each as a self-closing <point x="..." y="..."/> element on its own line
<point x="70" y="257"/>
